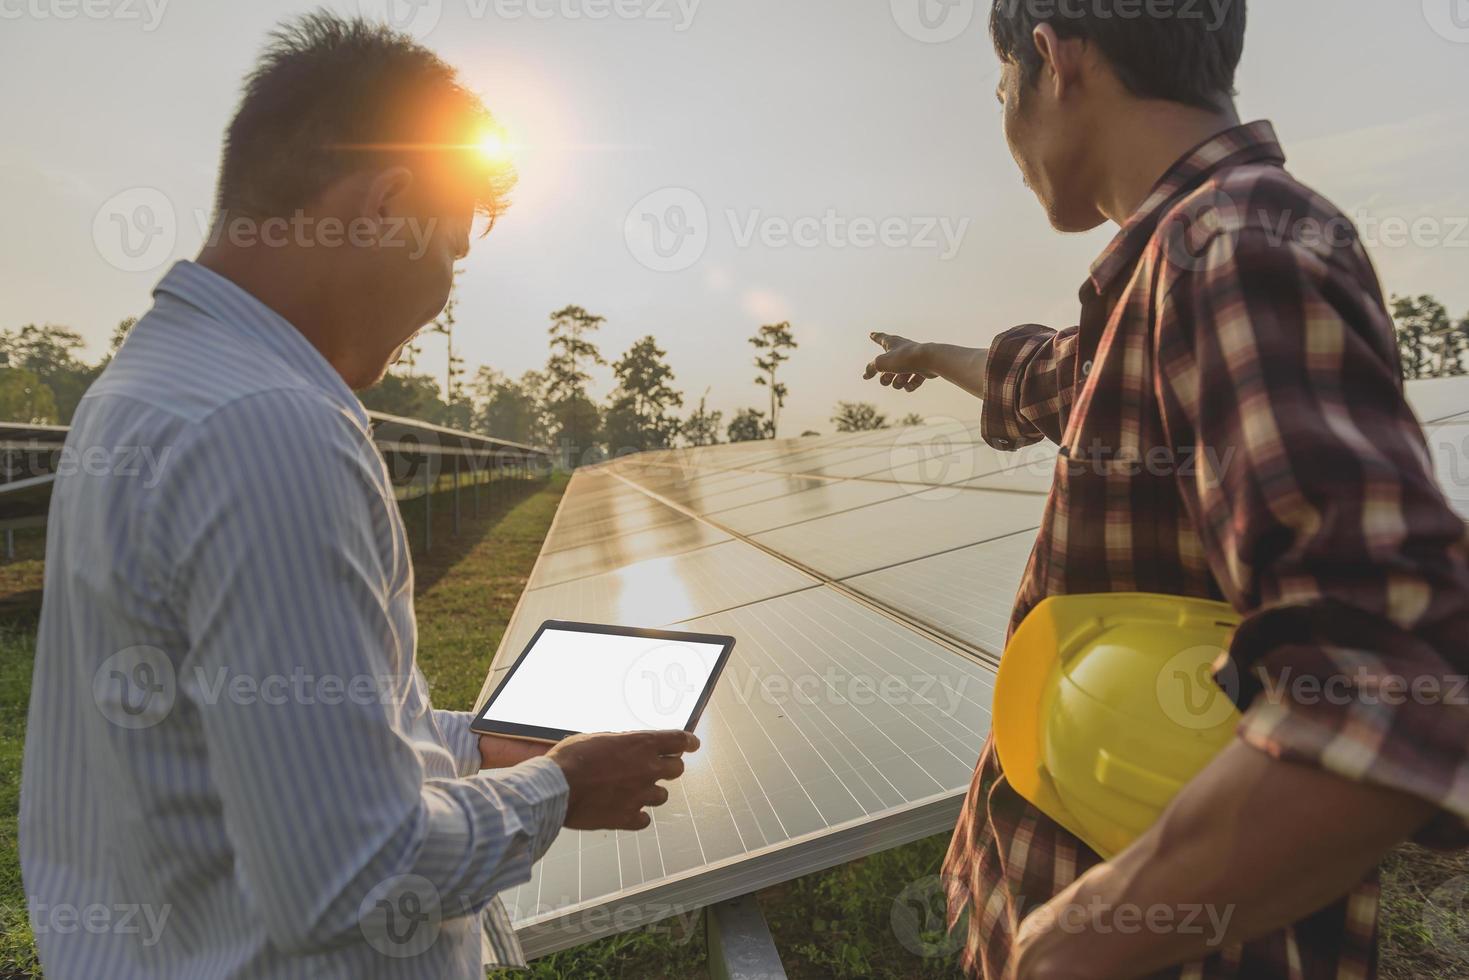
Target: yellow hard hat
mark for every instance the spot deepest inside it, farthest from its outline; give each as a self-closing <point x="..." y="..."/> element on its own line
<point x="1105" y="707"/>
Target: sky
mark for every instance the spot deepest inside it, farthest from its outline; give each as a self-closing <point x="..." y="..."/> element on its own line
<point x="692" y="169"/>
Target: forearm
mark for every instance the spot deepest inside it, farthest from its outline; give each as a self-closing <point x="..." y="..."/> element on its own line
<point x="961" y="366"/>
<point x="1250" y="846"/>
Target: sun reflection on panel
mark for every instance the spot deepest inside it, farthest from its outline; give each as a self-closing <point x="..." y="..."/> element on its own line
<point x="652" y="593"/>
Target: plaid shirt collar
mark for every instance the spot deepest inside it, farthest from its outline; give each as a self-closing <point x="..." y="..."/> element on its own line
<point x="1252" y="143"/>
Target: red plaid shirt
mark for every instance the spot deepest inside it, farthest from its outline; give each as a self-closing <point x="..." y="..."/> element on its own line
<point x="1232" y="426"/>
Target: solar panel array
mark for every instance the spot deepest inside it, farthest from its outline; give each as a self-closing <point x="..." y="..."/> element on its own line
<point x="868" y="579"/>
<point x="421" y="458"/>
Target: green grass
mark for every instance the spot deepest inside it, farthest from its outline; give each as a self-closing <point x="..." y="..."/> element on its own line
<point x="874" y="918"/>
<point x="17" y="948"/>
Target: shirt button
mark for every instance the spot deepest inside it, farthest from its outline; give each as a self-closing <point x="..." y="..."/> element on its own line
<point x="1086" y="369"/>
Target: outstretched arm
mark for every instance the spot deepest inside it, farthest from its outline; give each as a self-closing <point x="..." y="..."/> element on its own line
<point x="906" y="365"/>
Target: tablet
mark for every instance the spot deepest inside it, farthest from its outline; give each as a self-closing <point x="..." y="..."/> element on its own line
<point x="581" y="677"/>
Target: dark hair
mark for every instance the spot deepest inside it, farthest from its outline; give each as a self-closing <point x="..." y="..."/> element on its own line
<point x="330" y="97"/>
<point x="1179" y="50"/>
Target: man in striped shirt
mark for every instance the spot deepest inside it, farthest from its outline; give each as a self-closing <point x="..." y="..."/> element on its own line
<point x="232" y="766"/>
<point x="1232" y="426"/>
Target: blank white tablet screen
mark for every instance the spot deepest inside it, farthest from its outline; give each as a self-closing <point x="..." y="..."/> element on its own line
<point x="598" y="682"/>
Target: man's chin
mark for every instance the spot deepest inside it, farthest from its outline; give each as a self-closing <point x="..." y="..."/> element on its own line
<point x="1075" y="221"/>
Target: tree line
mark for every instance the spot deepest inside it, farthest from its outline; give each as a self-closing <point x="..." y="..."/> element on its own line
<point x="43" y="376"/>
<point x="553" y="406"/>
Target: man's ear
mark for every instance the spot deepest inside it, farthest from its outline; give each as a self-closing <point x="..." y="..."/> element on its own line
<point x="386" y="193"/>
<point x="1061" y="60"/>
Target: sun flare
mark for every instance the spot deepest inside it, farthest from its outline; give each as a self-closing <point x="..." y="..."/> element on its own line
<point x="494" y="147"/>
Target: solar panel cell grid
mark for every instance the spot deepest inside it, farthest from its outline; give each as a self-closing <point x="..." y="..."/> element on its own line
<point x="612" y="553"/>
<point x="808" y="499"/>
<point x="966" y="594"/>
<point x="901" y="530"/>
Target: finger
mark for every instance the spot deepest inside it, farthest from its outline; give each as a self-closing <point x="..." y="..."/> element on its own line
<point x="870" y="372"/>
<point x="673" y="742"/>
<point x="638" y="821"/>
<point x="902" y="381"/>
<point x="887" y="380"/>
<point x="668" y="768"/>
<point x="916" y="382"/>
<point x="881" y="339"/>
<point x="658" y="796"/>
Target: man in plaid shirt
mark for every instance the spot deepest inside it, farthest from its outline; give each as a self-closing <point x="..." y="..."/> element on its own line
<point x="1232" y="426"/>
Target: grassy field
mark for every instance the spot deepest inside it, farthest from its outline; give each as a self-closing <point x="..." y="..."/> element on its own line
<point x="859" y="920"/>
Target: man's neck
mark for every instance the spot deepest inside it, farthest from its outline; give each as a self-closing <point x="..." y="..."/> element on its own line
<point x="296" y="295"/>
<point x="1143" y="143"/>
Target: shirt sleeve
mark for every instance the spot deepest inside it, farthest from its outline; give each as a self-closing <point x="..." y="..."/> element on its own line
<point x="281" y="572"/>
<point x="461" y="741"/>
<point x="1313" y="490"/>
<point x="1028" y="386"/>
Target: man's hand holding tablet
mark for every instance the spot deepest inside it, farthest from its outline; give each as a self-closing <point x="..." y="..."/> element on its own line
<point x="576" y="678"/>
<point x="614" y="776"/>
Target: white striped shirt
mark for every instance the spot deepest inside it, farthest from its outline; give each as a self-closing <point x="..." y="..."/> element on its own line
<point x="232" y="768"/>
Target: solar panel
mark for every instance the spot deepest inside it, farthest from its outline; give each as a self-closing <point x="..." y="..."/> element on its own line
<point x="1448" y="444"/>
<point x="657" y="592"/>
<point x="871" y="725"/>
<point x="771" y="487"/>
<point x="806" y="500"/>
<point x="831" y="462"/>
<point x="966" y="594"/>
<point x="621" y="522"/>
<point x="896" y="531"/>
<point x="613" y="553"/>
<point x="1438" y="399"/>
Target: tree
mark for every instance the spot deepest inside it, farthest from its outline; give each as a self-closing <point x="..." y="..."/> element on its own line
<point x="576" y="423"/>
<point x="411" y="397"/>
<point x="25" y="398"/>
<point x="454" y="366"/>
<point x="509" y="409"/>
<point x="120" y="333"/>
<point x="858" y="417"/>
<point x="912" y="418"/>
<point x="772" y="342"/>
<point x="575" y="417"/>
<point x="639" y="418"/>
<point x="572" y="353"/>
<point x="701" y="428"/>
<point x="1455" y="347"/>
<point x="410" y="354"/>
<point x="749" y="425"/>
<point x="50" y="353"/>
<point x="1425" y="336"/>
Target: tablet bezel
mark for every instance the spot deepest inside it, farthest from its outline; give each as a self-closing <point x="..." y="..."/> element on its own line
<point x="488" y="726"/>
